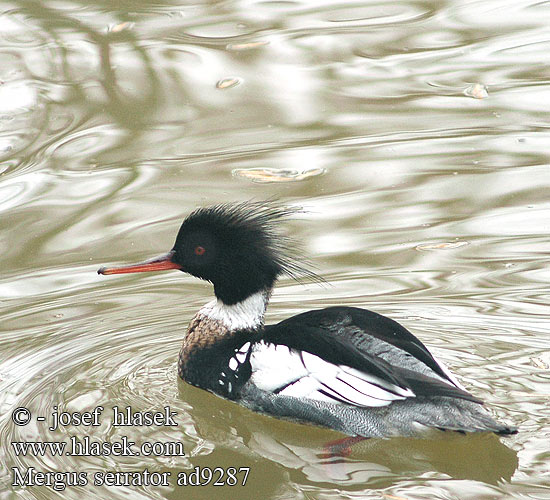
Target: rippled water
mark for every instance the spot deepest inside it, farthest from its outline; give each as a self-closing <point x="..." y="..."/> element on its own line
<point x="424" y="203"/>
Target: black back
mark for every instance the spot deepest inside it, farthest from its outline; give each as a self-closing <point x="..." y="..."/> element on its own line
<point x="339" y="335"/>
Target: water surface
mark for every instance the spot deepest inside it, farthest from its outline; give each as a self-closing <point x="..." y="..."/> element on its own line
<point x="415" y="134"/>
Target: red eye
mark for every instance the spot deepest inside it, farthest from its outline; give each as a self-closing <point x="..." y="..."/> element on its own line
<point x="200" y="250"/>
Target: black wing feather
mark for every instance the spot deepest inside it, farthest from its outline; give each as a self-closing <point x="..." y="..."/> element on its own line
<point x="337" y="335"/>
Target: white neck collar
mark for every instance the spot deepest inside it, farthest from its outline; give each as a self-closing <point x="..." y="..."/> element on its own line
<point x="245" y="315"/>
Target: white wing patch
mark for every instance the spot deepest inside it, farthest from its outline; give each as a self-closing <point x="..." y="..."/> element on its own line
<point x="242" y="353"/>
<point x="274" y="366"/>
<point x="278" y="368"/>
<point x="235" y="363"/>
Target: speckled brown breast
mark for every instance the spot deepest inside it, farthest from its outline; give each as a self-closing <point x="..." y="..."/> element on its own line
<point x="203" y="332"/>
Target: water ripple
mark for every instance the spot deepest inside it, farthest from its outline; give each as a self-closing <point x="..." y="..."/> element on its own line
<point x="432" y="208"/>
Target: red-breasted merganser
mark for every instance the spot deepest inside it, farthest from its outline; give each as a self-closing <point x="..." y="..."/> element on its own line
<point x="345" y="368"/>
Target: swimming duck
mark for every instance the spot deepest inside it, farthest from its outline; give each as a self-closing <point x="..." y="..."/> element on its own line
<point x="341" y="367"/>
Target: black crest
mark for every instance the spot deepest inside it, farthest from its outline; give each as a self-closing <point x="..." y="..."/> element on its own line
<point x="239" y="248"/>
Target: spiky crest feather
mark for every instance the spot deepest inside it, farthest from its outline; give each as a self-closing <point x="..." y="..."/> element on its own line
<point x="260" y="220"/>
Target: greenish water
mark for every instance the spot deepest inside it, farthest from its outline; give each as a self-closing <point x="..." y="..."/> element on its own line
<point x="415" y="134"/>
